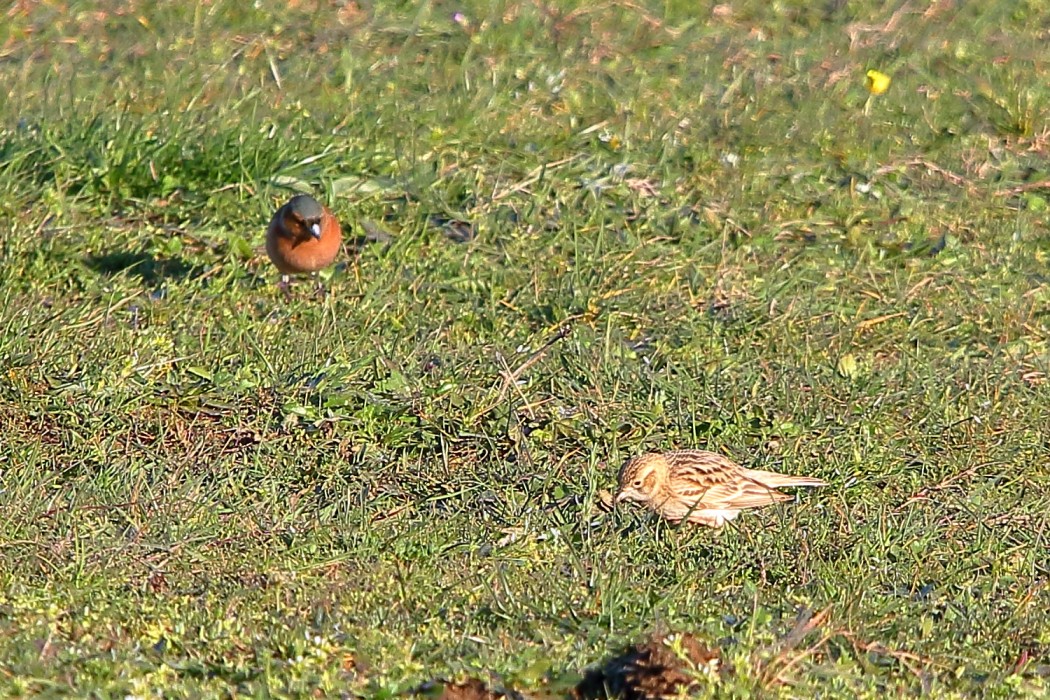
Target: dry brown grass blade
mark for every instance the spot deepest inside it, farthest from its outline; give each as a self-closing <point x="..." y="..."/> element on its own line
<point x="932" y="167"/>
<point x="510" y="377"/>
<point x="1027" y="187"/>
<point x="906" y="659"/>
<point x="775" y="669"/>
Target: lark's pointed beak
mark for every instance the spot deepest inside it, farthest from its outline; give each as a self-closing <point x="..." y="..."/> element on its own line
<point x="315" y="231"/>
<point x="620" y="497"/>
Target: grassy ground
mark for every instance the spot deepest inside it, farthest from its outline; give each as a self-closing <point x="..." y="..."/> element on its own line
<point x="586" y="230"/>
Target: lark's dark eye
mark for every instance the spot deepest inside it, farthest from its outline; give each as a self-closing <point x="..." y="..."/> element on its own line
<point x="637" y="483"/>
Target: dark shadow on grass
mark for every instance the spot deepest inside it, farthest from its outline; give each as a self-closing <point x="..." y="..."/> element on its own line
<point x="148" y="268"/>
<point x="652" y="669"/>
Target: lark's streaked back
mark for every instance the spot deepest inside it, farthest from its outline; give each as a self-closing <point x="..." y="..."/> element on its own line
<point x="700" y="486"/>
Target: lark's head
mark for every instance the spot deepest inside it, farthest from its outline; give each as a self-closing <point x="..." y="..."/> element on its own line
<point x="302" y="216"/>
<point x="641" y="478"/>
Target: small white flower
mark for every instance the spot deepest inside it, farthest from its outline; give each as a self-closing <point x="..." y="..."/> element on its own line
<point x="730" y="159"/>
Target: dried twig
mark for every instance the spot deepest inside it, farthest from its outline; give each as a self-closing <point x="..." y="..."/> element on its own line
<point x="1027" y="187"/>
<point x="534" y="176"/>
<point x="948" y="175"/>
<point x="510" y="377"/>
<point x="775" y="670"/>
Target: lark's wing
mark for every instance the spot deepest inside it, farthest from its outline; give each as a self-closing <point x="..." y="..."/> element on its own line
<point x="707" y="480"/>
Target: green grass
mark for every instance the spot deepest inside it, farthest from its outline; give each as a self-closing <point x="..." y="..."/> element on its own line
<point x="210" y="491"/>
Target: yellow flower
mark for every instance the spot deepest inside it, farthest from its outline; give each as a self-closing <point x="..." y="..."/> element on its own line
<point x="876" y="82"/>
